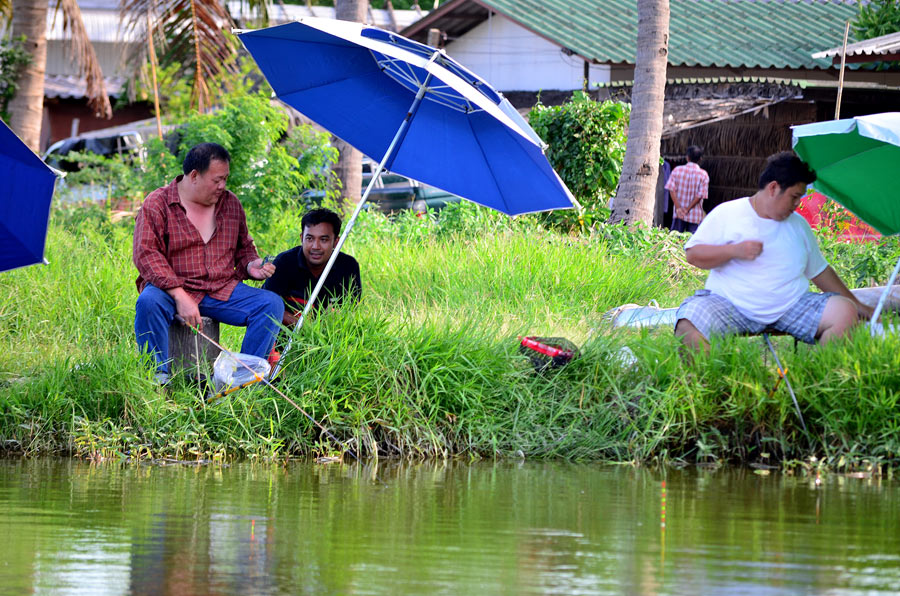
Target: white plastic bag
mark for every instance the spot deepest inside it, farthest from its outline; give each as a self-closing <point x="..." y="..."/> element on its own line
<point x="634" y="315"/>
<point x="228" y="371"/>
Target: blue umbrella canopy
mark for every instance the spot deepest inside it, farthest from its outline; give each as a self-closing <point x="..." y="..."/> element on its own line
<point x="359" y="82"/>
<point x="25" y="193"/>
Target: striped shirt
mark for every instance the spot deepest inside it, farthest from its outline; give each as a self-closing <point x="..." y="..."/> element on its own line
<point x="689" y="182"/>
<point x="169" y="252"/>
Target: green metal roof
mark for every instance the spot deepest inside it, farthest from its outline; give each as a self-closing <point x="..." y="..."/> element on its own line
<point x="723" y="33"/>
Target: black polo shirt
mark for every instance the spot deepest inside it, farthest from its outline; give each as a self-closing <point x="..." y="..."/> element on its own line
<point x="294" y="282"/>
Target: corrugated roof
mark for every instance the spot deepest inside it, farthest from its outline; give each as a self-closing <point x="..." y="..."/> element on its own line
<point x="282" y="13"/>
<point x="68" y="86"/>
<point x="717" y="33"/>
<point x="103" y="24"/>
<point x="712" y="81"/>
<point x="882" y="47"/>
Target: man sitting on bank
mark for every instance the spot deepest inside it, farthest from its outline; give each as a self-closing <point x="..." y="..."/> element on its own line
<point x="192" y="250"/>
<point x="298" y="270"/>
<point x="761" y="257"/>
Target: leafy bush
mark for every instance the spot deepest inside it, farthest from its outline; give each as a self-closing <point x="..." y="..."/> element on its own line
<point x="586" y="142"/>
<point x="877" y="18"/>
<point x="12" y="58"/>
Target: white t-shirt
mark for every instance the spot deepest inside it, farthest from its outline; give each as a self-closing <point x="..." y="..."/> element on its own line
<point x="765" y="288"/>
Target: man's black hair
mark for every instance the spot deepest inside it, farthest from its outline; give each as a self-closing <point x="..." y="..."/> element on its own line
<point x="694" y="153"/>
<point x="786" y="169"/>
<point x="200" y="156"/>
<point x="321" y="215"/>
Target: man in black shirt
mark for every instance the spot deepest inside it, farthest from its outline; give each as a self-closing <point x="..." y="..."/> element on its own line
<point x="298" y="270"/>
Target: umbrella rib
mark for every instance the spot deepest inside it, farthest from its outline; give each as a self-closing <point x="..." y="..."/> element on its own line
<point x="488" y="162"/>
<point x="404" y="73"/>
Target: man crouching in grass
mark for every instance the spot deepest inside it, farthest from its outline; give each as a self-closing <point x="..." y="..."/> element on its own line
<point x="761" y="257"/>
<point x="298" y="270"/>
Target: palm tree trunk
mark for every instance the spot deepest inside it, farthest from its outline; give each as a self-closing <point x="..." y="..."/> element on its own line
<point x="26" y="108"/>
<point x="349" y="166"/>
<point x="635" y="198"/>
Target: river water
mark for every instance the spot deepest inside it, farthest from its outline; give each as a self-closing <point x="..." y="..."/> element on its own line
<point x="71" y="527"/>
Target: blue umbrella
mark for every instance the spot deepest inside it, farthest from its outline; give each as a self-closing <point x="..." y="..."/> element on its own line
<point x="25" y="193"/>
<point x="421" y="113"/>
<point x="361" y="83"/>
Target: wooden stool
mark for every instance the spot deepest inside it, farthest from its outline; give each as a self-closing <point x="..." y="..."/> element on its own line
<point x="185" y="347"/>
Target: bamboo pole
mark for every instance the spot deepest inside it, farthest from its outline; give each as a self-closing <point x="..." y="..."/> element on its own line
<point x="153" y="73"/>
<point x="837" y="106"/>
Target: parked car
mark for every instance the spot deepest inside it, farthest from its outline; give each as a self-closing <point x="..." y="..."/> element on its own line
<point x="127" y="142"/>
<point x="393" y="192"/>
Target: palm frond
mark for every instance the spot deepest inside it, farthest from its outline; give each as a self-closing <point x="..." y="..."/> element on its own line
<point x="191" y="33"/>
<point x="5" y="14"/>
<point x="84" y="56"/>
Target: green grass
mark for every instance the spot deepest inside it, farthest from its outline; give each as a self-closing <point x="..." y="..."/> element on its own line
<point x="427" y="365"/>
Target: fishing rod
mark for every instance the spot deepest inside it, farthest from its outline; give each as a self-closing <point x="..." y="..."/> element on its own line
<point x="782" y="374"/>
<point x="260" y="378"/>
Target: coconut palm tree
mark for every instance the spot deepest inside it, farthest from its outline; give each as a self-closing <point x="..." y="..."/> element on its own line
<point x="635" y="197"/>
<point x="349" y="165"/>
<point x="29" y="18"/>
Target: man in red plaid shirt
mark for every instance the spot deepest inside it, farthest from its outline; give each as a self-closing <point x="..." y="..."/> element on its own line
<point x="192" y="251"/>
<point x="688" y="185"/>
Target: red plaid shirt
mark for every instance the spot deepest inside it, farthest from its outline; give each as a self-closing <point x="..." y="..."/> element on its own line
<point x="689" y="182"/>
<point x="169" y="252"/>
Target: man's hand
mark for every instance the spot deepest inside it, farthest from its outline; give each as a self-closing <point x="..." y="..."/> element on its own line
<point x="747" y="250"/>
<point x="187" y="309"/>
<point x="710" y="256"/>
<point x="680" y="213"/>
<point x="289" y="319"/>
<point x="865" y="311"/>
<point x="257" y="270"/>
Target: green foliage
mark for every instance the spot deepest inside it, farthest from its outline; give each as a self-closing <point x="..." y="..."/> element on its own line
<point x="877" y="18"/>
<point x="239" y="78"/>
<point x="861" y="264"/>
<point x="12" y="58"/>
<point x="315" y="155"/>
<point x="265" y="174"/>
<point x="586" y="147"/>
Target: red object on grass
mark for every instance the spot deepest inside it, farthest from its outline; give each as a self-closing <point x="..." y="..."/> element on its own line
<point x="274" y="357"/>
<point x="551" y="351"/>
<point x="851" y="230"/>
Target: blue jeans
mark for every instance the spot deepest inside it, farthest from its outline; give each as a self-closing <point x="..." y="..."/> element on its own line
<point x="260" y="311"/>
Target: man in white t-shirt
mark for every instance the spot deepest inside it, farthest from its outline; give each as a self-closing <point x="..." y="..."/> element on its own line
<point x="761" y="257"/>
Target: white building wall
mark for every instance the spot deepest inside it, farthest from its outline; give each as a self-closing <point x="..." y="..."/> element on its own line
<point x="512" y="58"/>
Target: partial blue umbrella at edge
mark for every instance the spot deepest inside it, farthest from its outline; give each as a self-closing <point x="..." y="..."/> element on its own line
<point x="26" y="189"/>
<point x="410" y="106"/>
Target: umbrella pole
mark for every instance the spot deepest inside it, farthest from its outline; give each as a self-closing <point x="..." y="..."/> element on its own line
<point x="391" y="151"/>
<point x="883" y="298"/>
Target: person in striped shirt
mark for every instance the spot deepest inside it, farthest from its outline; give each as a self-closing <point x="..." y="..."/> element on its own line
<point x="688" y="186"/>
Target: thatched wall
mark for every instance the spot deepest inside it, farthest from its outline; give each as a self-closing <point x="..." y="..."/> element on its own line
<point x="736" y="149"/>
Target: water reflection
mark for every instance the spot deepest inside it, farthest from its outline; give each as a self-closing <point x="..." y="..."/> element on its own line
<point x="497" y="528"/>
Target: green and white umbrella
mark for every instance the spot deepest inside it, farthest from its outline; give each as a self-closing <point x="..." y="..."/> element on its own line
<point x="856" y="162"/>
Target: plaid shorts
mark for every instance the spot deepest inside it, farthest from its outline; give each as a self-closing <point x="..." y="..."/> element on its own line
<point x="712" y="314"/>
